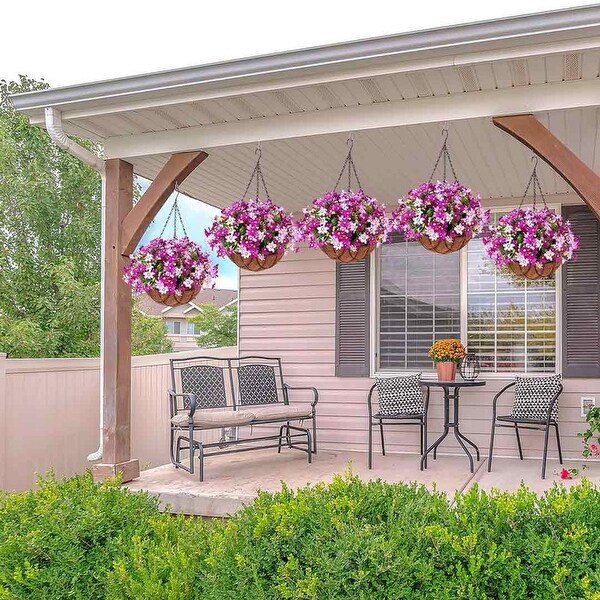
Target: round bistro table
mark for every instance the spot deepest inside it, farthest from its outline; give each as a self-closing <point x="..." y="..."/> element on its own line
<point x="451" y="392"/>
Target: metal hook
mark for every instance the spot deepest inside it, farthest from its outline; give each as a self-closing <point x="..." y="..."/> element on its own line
<point x="258" y="150"/>
<point x="535" y="160"/>
<point x="444" y="134"/>
<point x="350" y="140"/>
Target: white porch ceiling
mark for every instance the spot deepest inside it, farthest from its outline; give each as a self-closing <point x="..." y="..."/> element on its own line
<point x="390" y="161"/>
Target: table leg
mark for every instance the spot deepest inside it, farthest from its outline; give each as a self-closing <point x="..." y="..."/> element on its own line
<point x="444" y="434"/>
<point x="460" y="436"/>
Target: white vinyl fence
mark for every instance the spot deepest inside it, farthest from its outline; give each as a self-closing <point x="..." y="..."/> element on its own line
<point x="49" y="414"/>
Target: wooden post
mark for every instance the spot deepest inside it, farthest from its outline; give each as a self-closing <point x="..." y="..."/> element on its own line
<point x="529" y="131"/>
<point x="117" y="330"/>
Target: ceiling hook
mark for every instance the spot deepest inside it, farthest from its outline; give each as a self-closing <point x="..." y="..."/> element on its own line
<point x="535" y="160"/>
<point x="258" y="150"/>
<point x="444" y="134"/>
<point x="350" y="140"/>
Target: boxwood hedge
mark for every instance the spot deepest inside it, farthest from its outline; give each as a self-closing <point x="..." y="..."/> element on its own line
<point x="347" y="539"/>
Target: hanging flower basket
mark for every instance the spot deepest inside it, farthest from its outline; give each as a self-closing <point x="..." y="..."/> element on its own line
<point x="531" y="242"/>
<point x="346" y="225"/>
<point x="443" y="215"/>
<point x="254" y="234"/>
<point x="170" y="271"/>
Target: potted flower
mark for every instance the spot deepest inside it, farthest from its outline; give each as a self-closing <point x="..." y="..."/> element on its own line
<point x="442" y="215"/>
<point x="447" y="354"/>
<point x="346" y="225"/>
<point x="255" y="234"/>
<point x="531" y="242"/>
<point x="170" y="271"/>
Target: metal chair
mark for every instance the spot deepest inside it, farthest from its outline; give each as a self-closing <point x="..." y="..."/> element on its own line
<point x="541" y="415"/>
<point x="406" y="415"/>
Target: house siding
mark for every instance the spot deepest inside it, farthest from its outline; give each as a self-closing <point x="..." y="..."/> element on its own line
<point x="289" y="311"/>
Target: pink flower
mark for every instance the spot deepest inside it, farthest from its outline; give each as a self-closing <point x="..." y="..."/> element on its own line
<point x="565" y="474"/>
<point x="169" y="266"/>
<point x="252" y="228"/>
<point x="440" y="210"/>
<point x="345" y="220"/>
<point x="594" y="449"/>
<point x="530" y="237"/>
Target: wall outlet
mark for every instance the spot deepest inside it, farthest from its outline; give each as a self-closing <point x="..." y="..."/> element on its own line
<point x="587" y="403"/>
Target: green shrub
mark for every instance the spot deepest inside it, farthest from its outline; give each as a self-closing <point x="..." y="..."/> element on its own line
<point x="347" y="539"/>
<point x="60" y="540"/>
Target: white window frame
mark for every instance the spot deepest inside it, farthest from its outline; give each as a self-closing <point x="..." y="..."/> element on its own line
<point x="462" y="273"/>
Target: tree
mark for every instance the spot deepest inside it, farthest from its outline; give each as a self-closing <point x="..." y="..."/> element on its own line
<point x="218" y="327"/>
<point x="49" y="243"/>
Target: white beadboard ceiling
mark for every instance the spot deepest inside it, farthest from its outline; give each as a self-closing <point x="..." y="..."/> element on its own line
<point x="389" y="161"/>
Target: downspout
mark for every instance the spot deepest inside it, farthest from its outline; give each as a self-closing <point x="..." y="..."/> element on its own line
<point x="62" y="140"/>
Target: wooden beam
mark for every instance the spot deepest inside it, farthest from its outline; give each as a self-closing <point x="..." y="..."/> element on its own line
<point x="117" y="329"/>
<point x="529" y="131"/>
<point x="174" y="172"/>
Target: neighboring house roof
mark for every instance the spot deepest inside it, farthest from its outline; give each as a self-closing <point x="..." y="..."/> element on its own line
<point x="220" y="298"/>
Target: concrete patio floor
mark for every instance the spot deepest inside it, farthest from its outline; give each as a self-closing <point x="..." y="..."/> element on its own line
<point x="233" y="480"/>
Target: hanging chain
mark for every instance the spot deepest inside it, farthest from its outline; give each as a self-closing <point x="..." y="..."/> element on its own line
<point x="537" y="187"/>
<point x="176" y="214"/>
<point x="257" y="172"/>
<point x="444" y="156"/>
<point x="349" y="164"/>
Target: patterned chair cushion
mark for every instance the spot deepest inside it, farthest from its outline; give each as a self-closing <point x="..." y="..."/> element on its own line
<point x="400" y="395"/>
<point x="533" y="396"/>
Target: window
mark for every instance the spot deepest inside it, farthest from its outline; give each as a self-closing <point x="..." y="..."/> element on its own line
<point x="511" y="323"/>
<point x="173" y="326"/>
<point x="422" y="296"/>
<point x="419" y="294"/>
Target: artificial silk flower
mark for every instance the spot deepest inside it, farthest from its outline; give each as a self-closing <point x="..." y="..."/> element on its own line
<point x="530" y="237"/>
<point x="440" y="210"/>
<point x="251" y="228"/>
<point x="345" y="220"/>
<point x="169" y="266"/>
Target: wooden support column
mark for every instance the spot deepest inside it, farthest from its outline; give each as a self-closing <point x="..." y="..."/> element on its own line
<point x="124" y="226"/>
<point x="529" y="131"/>
<point x="117" y="330"/>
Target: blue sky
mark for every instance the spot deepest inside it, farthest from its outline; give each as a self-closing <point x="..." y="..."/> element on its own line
<point x="197" y="216"/>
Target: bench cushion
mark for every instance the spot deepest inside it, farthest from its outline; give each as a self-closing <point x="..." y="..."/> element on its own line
<point x="281" y="411"/>
<point x="214" y="418"/>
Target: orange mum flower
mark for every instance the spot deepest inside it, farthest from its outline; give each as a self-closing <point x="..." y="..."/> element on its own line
<point x="447" y="351"/>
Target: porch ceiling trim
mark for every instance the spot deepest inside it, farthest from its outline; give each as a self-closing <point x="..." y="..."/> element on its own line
<point x="535" y="98"/>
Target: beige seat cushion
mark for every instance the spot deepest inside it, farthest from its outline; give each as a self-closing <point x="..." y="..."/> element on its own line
<point x="215" y="418"/>
<point x="281" y="411"/>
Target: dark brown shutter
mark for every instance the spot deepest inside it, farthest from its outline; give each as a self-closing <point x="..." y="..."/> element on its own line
<point x="581" y="298"/>
<point x="352" y="341"/>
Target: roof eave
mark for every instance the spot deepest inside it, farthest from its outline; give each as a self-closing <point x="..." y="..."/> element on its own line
<point x="572" y="19"/>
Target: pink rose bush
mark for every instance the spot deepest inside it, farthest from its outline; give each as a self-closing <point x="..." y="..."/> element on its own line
<point x="531" y="237"/>
<point x="345" y="220"/>
<point x="252" y="228"/>
<point x="169" y="266"/>
<point x="440" y="210"/>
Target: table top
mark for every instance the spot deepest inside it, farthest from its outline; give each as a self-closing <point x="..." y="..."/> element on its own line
<point x="455" y="384"/>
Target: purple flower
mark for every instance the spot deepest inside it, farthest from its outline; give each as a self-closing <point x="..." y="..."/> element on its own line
<point x="169" y="266"/>
<point x="530" y="237"/>
<point x="344" y="219"/>
<point x="440" y="210"/>
<point x="252" y="228"/>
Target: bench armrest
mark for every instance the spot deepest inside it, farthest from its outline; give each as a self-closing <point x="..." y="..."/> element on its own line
<point x="190" y="397"/>
<point x="287" y="387"/>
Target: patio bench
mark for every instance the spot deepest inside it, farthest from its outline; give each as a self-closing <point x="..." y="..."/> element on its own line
<point x="210" y="393"/>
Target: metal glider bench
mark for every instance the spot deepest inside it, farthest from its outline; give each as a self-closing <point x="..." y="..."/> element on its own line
<point x="228" y="393"/>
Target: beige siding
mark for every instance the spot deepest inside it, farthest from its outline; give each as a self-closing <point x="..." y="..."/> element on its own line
<point x="289" y="311"/>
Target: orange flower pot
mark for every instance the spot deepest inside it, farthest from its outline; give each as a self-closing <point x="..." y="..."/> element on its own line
<point x="446" y="371"/>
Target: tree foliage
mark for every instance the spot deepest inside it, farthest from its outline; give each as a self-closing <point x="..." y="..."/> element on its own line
<point x="49" y="243"/>
<point x="218" y="327"/>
